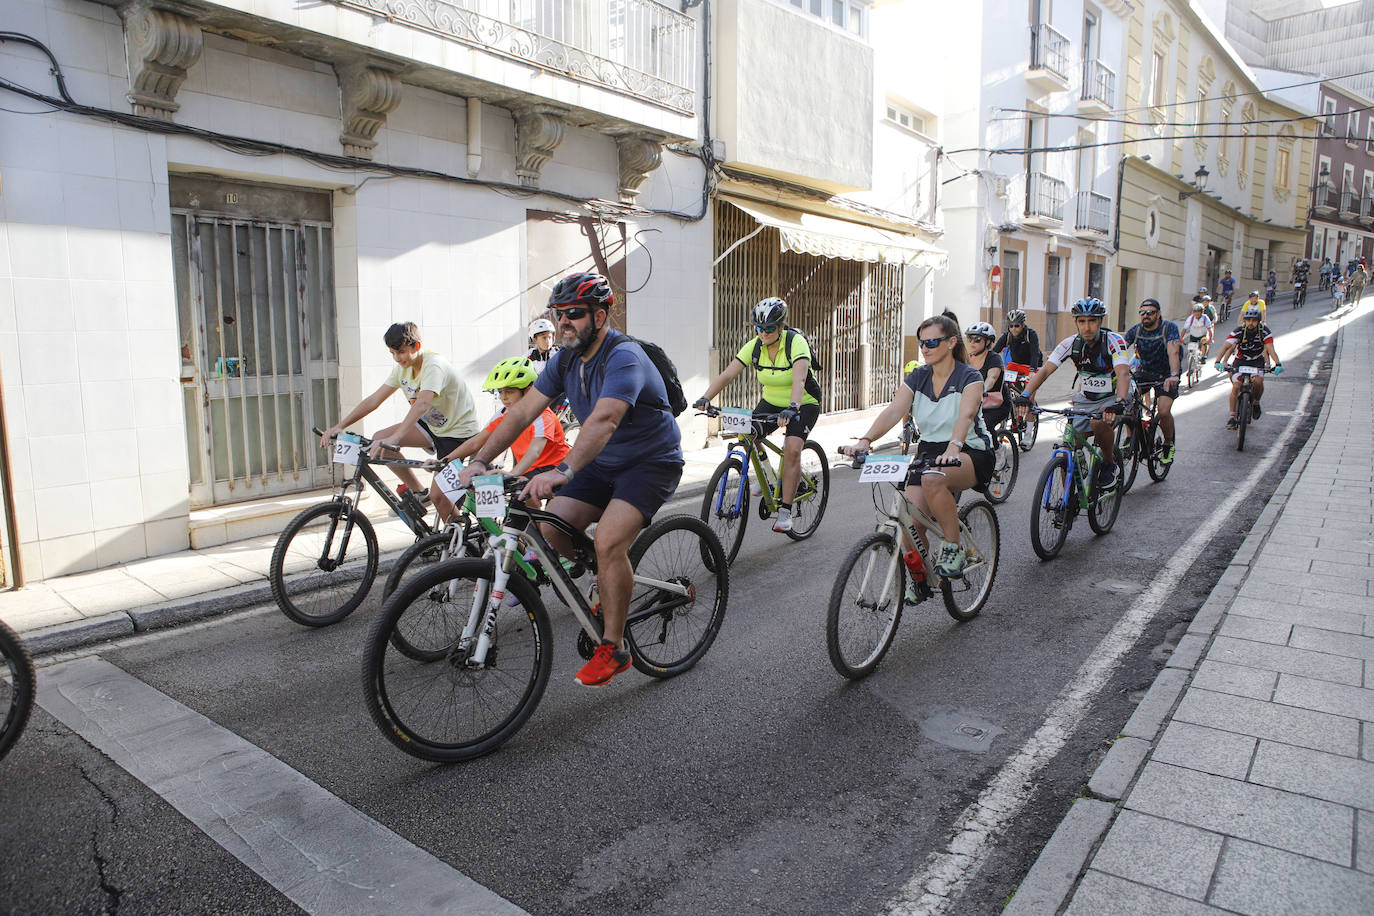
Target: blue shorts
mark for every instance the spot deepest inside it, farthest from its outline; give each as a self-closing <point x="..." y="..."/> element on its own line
<point x="646" y="485"/>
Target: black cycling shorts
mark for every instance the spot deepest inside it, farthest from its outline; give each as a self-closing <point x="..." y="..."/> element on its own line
<point x="801" y="425"/>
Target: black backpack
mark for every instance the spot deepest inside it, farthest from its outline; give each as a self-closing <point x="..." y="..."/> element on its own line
<point x="677" y="400"/>
<point x="813" y="385"/>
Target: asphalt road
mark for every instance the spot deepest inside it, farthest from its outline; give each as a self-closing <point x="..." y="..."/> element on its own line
<point x="758" y="782"/>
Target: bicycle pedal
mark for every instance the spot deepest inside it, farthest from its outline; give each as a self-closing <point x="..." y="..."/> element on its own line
<point x="586" y="647"/>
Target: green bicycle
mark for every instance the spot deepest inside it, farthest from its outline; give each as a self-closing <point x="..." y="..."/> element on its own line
<point x="725" y="506"/>
<point x="1067" y="486"/>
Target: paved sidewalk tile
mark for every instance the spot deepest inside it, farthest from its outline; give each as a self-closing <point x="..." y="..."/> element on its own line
<point x="1323" y="696"/>
<point x="1321" y="640"/>
<point x="1327" y="569"/>
<point x="1257" y="879"/>
<point x="1303" y="727"/>
<point x="1343" y="780"/>
<point x="1342" y="621"/>
<point x="1170" y="856"/>
<point x="113" y="595"/>
<point x="1207" y="749"/>
<point x="1240" y="680"/>
<point x="1252" y="628"/>
<point x="1303" y="825"/>
<point x="1342" y="601"/>
<point x="1364" y="841"/>
<point x="1287" y="660"/>
<point x="1100" y="893"/>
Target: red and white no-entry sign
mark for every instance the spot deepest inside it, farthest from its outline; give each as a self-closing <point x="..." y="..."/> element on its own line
<point x="995" y="278"/>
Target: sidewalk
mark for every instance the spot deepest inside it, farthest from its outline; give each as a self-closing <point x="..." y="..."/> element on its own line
<point x="67" y="612"/>
<point x="1244" y="782"/>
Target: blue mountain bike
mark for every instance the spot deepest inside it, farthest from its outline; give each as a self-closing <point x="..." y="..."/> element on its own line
<point x="1068" y="486"/>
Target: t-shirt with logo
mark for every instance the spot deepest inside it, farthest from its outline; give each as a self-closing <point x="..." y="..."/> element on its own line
<point x="775" y="372"/>
<point x="546" y="427"/>
<point x="1249" y="345"/>
<point x="1153" y="348"/>
<point x="1095" y="361"/>
<point x="936" y="413"/>
<point x="452" y="412"/>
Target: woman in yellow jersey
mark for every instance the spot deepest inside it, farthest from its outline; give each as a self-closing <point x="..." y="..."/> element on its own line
<point x="791" y="394"/>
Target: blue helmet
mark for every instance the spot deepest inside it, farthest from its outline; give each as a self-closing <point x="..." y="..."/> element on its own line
<point x="1089" y="307"/>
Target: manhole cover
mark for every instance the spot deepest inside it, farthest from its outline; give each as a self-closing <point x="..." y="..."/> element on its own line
<point x="961" y="731"/>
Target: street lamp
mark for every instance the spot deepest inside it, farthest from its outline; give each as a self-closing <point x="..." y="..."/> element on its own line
<point x="1199" y="183"/>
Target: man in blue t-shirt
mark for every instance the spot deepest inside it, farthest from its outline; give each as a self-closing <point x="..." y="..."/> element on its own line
<point x="628" y="457"/>
<point x="1156" y="343"/>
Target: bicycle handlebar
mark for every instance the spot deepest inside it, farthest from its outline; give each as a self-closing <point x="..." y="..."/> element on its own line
<point x="859" y="458"/>
<point x="1070" y="412"/>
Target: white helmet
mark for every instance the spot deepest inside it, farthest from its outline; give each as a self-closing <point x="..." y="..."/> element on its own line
<point x="540" y="326"/>
<point x="981" y="329"/>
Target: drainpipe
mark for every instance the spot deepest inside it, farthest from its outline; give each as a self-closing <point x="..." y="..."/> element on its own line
<point x="1120" y="183"/>
<point x="474" y="137"/>
<point x="7" y="493"/>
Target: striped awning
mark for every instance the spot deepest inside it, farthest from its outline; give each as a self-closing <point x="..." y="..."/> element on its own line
<point x="827" y="237"/>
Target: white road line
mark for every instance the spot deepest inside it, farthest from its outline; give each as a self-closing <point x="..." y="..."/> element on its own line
<point x="323" y="854"/>
<point x="948" y="871"/>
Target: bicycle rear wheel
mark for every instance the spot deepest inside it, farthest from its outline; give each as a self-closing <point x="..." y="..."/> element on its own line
<point x="1105" y="506"/>
<point x="17" y="681"/>
<point x="1242" y="418"/>
<point x="1157" y="467"/>
<point x="982" y="540"/>
<point x="1006" y="462"/>
<point x="320" y="572"/>
<point x="439" y="707"/>
<point x="865" y="606"/>
<point x="669" y="633"/>
<point x="718" y="508"/>
<point x="1050" y="512"/>
<point x="813" y="492"/>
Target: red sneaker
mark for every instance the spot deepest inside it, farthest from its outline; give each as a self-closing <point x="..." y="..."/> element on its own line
<point x="607" y="661"/>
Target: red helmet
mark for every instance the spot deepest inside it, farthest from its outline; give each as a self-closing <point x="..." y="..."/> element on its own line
<point x="588" y="288"/>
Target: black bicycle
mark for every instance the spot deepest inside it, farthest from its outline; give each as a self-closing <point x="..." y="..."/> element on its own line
<point x="1139" y="440"/>
<point x="1299" y="294"/>
<point x="17" y="680"/>
<point x="1245" y="399"/>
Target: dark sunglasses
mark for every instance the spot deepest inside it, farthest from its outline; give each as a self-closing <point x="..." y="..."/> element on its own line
<point x="766" y="328"/>
<point x="936" y="341"/>
<point x="1018" y="325"/>
<point x="572" y="314"/>
<point x="1148" y="312"/>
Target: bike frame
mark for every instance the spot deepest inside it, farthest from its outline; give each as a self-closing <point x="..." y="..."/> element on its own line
<point x="902" y="521"/>
<point x="748" y="446"/>
<point x="1080" y="454"/>
<point x="506" y="551"/>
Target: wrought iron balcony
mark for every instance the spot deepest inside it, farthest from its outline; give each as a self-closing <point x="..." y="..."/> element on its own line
<point x="1045" y="198"/>
<point x="1350" y="202"/>
<point x="1094" y="214"/>
<point x="638" y="47"/>
<point x="1324" y="198"/>
<point x="1099" y="84"/>
<point x="1367" y="209"/>
<point x="1049" y="58"/>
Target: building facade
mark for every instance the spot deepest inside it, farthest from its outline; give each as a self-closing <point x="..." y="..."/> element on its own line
<point x="1341" y="218"/>
<point x="209" y="219"/>
<point x="1216" y="175"/>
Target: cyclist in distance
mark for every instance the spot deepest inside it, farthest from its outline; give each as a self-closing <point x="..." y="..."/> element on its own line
<point x="1253" y="345"/>
<point x="541" y="335"/>
<point x="1156" y="343"/>
<point x="541" y="447"/>
<point x="944" y="398"/>
<point x="1228" y="288"/>
<point x="1254" y="301"/>
<point x="442" y="415"/>
<point x="981" y="356"/>
<point x="1197" y="328"/>
<point x="1019" y="343"/>
<point x="1098" y="355"/>
<point x="782" y="359"/>
<point x="628" y="458"/>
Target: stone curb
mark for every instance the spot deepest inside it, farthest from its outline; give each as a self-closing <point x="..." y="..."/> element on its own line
<point x="1050" y="883"/>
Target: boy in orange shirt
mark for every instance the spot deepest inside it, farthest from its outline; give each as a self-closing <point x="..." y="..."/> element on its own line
<point x="541" y="446"/>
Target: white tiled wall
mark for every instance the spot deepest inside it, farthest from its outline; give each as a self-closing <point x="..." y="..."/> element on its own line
<point x="88" y="327"/>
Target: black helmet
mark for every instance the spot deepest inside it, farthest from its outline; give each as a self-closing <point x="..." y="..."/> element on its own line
<point x="582" y="288"/>
<point x="770" y="311"/>
<point x="1089" y="307"/>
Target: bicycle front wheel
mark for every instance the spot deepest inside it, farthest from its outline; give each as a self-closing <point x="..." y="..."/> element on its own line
<point x="446" y="706"/>
<point x="1050" y="512"/>
<point x="982" y="541"/>
<point x="669" y="632"/>
<point x="1242" y="418"/>
<point x="725" y="507"/>
<point x="1157" y="467"/>
<point x="16" y="687"/>
<point x="1006" y="462"/>
<point x="813" y="492"/>
<point x="865" y="606"/>
<point x="324" y="564"/>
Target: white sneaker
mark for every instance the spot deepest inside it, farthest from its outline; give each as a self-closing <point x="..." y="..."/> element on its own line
<point x="783" y="523"/>
<point x="755" y="488"/>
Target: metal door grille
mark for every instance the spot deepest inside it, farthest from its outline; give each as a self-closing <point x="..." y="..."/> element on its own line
<point x="850" y="311"/>
<point x="259" y="354"/>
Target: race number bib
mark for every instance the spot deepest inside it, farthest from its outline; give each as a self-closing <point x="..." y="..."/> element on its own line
<point x="1013" y="376"/>
<point x="736" y="420"/>
<point x="447" y="479"/>
<point x="490" y="493"/>
<point x="1097" y="384"/>
<point x="878" y="470"/>
<point x="1249" y="370"/>
<point x="347" y="447"/>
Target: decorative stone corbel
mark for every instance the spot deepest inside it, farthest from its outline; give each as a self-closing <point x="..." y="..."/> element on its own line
<point x="640" y="154"/>
<point x="367" y="94"/>
<point x="162" y="41"/>
<point x="538" y="131"/>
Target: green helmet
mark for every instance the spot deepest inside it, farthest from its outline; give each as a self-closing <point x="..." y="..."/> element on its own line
<point x="515" y="372"/>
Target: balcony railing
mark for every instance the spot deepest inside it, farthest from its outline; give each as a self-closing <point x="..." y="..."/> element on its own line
<point x="1099" y="82"/>
<point x="1350" y="202"/>
<point x="1049" y="50"/>
<point x="1324" y="197"/>
<point x="1045" y="196"/>
<point x="639" y="47"/>
<point x="1094" y="213"/>
<point x="1367" y="207"/>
